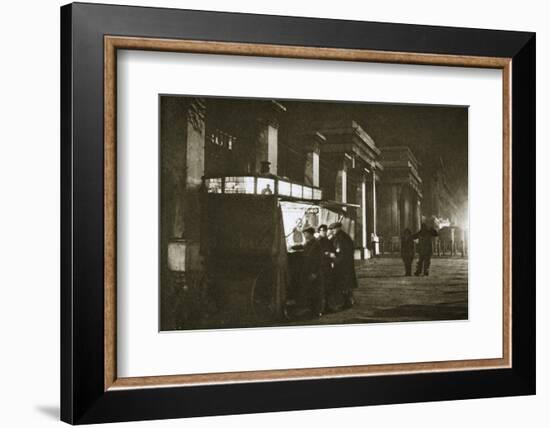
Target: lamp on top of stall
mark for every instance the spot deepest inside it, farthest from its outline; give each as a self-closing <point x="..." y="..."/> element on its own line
<point x="262" y="185"/>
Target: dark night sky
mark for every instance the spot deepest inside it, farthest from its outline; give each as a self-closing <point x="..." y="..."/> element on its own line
<point x="430" y="132"/>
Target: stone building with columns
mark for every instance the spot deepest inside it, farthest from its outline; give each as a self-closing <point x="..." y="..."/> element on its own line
<point x="349" y="173"/>
<point x="339" y="156"/>
<point x="379" y="188"/>
<point x="401" y="195"/>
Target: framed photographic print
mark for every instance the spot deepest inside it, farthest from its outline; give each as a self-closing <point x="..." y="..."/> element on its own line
<point x="266" y="213"/>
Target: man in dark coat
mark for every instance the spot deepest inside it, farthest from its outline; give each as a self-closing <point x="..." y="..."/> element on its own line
<point x="407" y="250"/>
<point x="424" y="236"/>
<point x="312" y="280"/>
<point x="332" y="296"/>
<point x="344" y="264"/>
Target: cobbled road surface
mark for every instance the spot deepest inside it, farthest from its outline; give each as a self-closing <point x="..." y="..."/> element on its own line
<point x="386" y="295"/>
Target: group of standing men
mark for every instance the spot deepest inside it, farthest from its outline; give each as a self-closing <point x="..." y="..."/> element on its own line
<point x="328" y="270"/>
<point x="424" y="237"/>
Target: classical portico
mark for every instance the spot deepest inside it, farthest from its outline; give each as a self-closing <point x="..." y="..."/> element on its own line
<point x="401" y="194"/>
<point x="350" y="173"/>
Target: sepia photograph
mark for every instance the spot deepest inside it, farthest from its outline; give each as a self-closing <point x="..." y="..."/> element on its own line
<point x="278" y="212"/>
<point x="318" y="212"/>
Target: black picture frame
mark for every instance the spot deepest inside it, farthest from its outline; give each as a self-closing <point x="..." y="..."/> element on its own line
<point x="83" y="398"/>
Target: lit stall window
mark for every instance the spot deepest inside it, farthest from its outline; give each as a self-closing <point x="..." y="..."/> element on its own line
<point x="214" y="185"/>
<point x="284" y="188"/>
<point x="317" y="194"/>
<point x="239" y="185"/>
<point x="296" y="190"/>
<point x="308" y="192"/>
<point x="265" y="186"/>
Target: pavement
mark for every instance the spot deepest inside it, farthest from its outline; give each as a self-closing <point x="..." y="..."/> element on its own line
<point x="386" y="295"/>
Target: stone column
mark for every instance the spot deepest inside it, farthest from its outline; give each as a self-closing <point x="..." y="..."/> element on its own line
<point x="417" y="213"/>
<point x="182" y="135"/>
<point x="194" y="172"/>
<point x="373" y="204"/>
<point x="364" y="236"/>
<point x="407" y="211"/>
<point x="267" y="135"/>
<point x="374" y="207"/>
<point x="341" y="192"/>
<point x="312" y="143"/>
<point x="395" y="226"/>
<point x="182" y="168"/>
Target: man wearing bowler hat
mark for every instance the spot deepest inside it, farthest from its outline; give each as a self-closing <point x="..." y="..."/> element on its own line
<point x="344" y="265"/>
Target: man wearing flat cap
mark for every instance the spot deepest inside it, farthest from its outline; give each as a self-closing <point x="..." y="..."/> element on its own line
<point x="312" y="280"/>
<point x="344" y="265"/>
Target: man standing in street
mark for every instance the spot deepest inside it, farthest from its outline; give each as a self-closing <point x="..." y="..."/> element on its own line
<point x="424" y="236"/>
<point x="313" y="290"/>
<point x="344" y="264"/>
<point x="327" y="250"/>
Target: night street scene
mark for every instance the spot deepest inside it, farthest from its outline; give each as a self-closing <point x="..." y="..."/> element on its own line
<point x="279" y="212"/>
